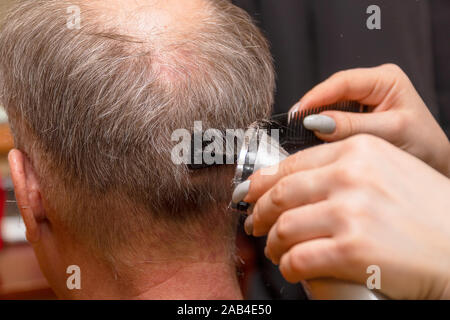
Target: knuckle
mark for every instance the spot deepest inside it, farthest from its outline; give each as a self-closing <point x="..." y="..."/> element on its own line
<point x="399" y="122"/>
<point x="361" y="144"/>
<point x="392" y="67"/>
<point x="361" y="141"/>
<point x="353" y="143"/>
<point x="289" y="165"/>
<point x="347" y="174"/>
<point x="338" y="215"/>
<point x="357" y="211"/>
<point x="297" y="263"/>
<point x="338" y="212"/>
<point x="282" y="227"/>
<point x="257" y="219"/>
<point x="353" y="249"/>
<point x="360" y="201"/>
<point x="347" y="249"/>
<point x="342" y="212"/>
<point x="343" y="78"/>
<point x="339" y="74"/>
<point x="394" y="70"/>
<point x="347" y="215"/>
<point x="278" y="193"/>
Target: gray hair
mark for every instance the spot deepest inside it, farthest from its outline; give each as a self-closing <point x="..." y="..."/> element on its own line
<point x="94" y="110"/>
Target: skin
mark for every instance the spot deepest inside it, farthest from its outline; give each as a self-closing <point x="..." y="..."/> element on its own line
<point x="208" y="273"/>
<point x="399" y="114"/>
<point x="334" y="210"/>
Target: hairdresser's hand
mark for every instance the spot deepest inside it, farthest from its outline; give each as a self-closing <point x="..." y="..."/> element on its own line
<point x="335" y="209"/>
<point x="399" y="116"/>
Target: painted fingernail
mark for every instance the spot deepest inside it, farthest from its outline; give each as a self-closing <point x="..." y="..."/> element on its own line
<point x="241" y="191"/>
<point x="320" y="123"/>
<point x="248" y="225"/>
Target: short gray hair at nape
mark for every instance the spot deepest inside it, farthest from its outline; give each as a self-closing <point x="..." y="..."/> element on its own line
<point x="94" y="109"/>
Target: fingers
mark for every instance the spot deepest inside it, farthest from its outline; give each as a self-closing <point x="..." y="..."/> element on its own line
<point x="371" y="86"/>
<point x="379" y="87"/>
<point x="386" y="125"/>
<point x="309" y="260"/>
<point x="312" y="158"/>
<point x="298" y="225"/>
<point x="292" y="191"/>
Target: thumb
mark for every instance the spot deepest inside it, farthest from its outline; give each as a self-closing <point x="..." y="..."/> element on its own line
<point x="337" y="125"/>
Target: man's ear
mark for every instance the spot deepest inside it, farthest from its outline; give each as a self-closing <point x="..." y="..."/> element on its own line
<point x="28" y="194"/>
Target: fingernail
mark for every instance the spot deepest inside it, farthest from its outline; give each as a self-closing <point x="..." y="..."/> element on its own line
<point x="241" y="191"/>
<point x="320" y="123"/>
<point x="248" y="225"/>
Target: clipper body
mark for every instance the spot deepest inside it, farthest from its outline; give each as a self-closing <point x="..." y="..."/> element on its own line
<point x="263" y="148"/>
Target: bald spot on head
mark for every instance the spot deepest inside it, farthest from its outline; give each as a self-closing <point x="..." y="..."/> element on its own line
<point x="141" y="17"/>
<point x="166" y="28"/>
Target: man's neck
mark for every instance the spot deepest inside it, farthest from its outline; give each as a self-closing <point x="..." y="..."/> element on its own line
<point x="171" y="280"/>
<point x="199" y="280"/>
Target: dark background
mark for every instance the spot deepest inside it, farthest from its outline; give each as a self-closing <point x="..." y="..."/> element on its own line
<point x="312" y="39"/>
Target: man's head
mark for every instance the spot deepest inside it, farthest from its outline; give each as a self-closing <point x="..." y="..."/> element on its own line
<point x="93" y="109"/>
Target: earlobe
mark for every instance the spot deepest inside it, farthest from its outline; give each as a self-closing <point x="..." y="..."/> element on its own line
<point x="26" y="188"/>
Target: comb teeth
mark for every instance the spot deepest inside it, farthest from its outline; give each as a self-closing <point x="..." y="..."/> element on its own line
<point x="293" y="134"/>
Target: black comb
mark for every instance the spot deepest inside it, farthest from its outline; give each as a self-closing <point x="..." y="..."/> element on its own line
<point x="293" y="135"/>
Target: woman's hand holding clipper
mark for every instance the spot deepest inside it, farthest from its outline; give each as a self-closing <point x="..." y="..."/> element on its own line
<point x="336" y="209"/>
<point x="399" y="114"/>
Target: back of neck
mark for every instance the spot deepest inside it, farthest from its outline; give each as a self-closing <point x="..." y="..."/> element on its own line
<point x="193" y="281"/>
